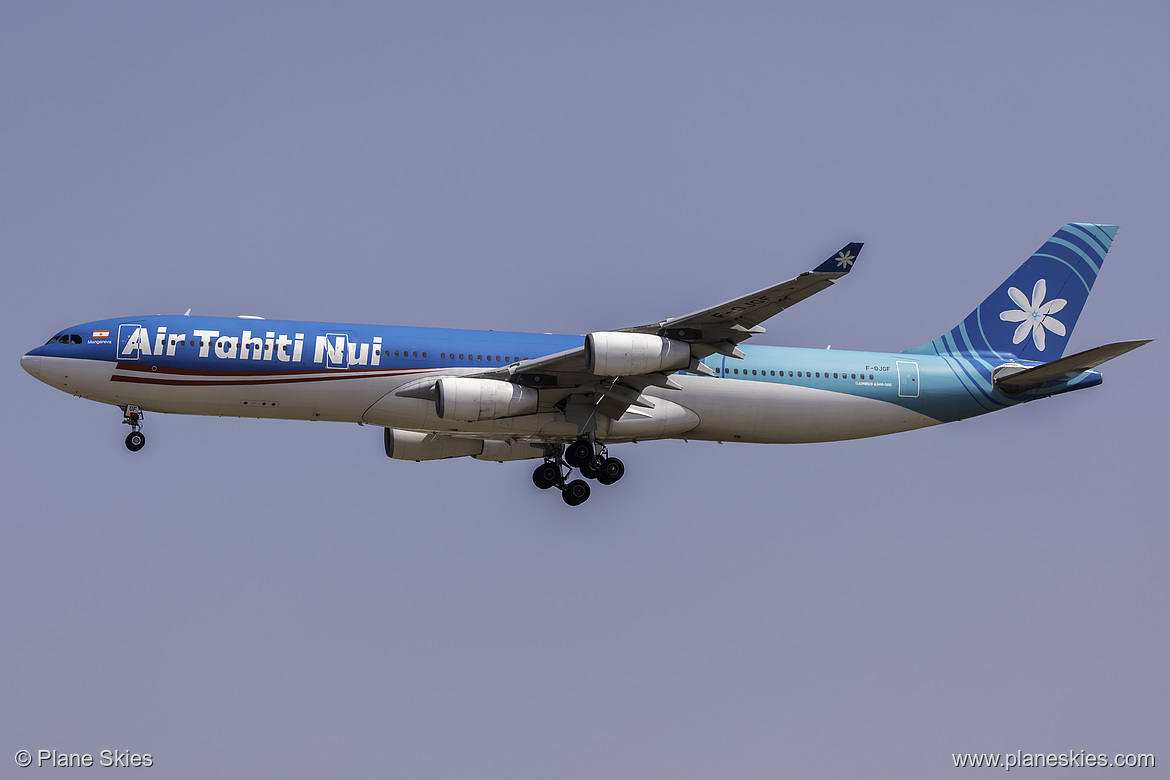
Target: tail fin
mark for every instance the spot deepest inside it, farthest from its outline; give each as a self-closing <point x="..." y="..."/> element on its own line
<point x="1032" y="314"/>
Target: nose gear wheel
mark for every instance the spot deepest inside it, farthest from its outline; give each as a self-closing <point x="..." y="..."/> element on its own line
<point x="132" y="416"/>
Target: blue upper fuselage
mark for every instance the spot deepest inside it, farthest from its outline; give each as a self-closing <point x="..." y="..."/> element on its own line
<point x="934" y="386"/>
<point x="230" y="344"/>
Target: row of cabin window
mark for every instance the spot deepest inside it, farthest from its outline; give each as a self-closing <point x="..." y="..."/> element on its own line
<point x="452" y="356"/>
<point x="74" y="338"/>
<point x="397" y="353"/>
<point x="808" y="374"/>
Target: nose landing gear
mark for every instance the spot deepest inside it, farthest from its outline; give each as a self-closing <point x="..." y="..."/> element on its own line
<point x="132" y="416"/>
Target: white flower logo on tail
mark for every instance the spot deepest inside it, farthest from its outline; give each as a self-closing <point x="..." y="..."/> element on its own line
<point x="845" y="259"/>
<point x="1034" y="315"/>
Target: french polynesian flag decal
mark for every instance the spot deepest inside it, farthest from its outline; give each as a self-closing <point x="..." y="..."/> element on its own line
<point x="101" y="334"/>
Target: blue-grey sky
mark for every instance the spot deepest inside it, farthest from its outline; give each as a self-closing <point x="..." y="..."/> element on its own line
<point x="255" y="598"/>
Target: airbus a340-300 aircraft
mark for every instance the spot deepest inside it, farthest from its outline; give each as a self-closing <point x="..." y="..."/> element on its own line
<point x="564" y="399"/>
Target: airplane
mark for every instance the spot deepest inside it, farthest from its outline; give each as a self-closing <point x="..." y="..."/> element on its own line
<point x="565" y="399"/>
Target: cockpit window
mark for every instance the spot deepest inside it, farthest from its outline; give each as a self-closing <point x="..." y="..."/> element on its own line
<point x="63" y="340"/>
<point x="74" y="338"/>
<point x="51" y="341"/>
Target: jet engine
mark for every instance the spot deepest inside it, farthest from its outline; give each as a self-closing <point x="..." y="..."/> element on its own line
<point x="470" y="400"/>
<point x="410" y="445"/>
<point x="629" y="354"/>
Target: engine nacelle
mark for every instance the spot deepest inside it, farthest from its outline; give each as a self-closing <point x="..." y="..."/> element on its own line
<point x="470" y="400"/>
<point x="410" y="445"/>
<point x="630" y="354"/>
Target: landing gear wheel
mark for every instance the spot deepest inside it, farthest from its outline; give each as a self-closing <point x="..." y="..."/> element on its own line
<point x="579" y="453"/>
<point x="576" y="492"/>
<point x="545" y="476"/>
<point x="135" y="441"/>
<point x="611" y="471"/>
<point x="589" y="471"/>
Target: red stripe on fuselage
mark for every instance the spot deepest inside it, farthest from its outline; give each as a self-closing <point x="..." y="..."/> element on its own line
<point x="194" y="378"/>
<point x="203" y="372"/>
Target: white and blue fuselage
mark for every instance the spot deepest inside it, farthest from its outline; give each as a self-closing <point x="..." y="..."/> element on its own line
<point x="441" y="393"/>
<point x="350" y="373"/>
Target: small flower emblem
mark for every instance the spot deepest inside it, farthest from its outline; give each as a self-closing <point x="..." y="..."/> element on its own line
<point x="1034" y="315"/>
<point x="845" y="259"/>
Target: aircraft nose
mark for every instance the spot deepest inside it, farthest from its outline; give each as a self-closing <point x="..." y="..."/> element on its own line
<point x="32" y="364"/>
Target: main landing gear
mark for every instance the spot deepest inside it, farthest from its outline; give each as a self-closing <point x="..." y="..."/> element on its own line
<point x="135" y="440"/>
<point x="582" y="455"/>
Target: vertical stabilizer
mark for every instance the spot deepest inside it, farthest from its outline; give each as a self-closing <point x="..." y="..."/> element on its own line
<point x="1032" y="314"/>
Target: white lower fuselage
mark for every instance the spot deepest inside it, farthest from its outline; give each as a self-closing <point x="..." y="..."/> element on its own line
<point x="705" y="408"/>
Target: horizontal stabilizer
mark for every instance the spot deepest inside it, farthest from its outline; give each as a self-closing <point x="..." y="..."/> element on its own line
<point x="1064" y="368"/>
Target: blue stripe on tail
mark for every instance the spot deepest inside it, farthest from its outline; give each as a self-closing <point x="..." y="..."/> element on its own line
<point x="1031" y="316"/>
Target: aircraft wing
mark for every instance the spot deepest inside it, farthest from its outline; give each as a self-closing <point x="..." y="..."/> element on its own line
<point x="715" y="330"/>
<point x="719" y="328"/>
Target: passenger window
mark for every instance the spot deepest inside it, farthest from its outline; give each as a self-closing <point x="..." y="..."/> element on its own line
<point x="799" y="374"/>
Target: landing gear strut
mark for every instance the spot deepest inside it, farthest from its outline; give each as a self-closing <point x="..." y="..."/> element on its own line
<point x="593" y="463"/>
<point x="135" y="440"/>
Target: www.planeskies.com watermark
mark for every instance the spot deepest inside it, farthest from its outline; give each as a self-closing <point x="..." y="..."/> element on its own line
<point x="1068" y="759"/>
